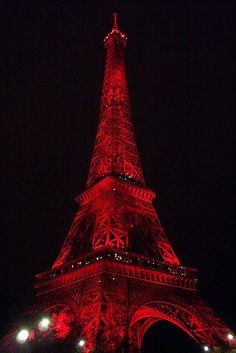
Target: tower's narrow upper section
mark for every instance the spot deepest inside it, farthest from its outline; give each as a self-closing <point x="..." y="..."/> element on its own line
<point x="115" y="152"/>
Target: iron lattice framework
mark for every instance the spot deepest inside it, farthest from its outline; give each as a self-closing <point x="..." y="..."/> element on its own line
<point x="115" y="151"/>
<point x="116" y="209"/>
<point x="117" y="273"/>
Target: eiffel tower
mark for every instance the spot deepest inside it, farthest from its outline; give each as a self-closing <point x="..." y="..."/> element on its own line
<point x="117" y="274"/>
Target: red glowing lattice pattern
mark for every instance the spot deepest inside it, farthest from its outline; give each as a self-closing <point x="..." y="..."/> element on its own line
<point x="115" y="151"/>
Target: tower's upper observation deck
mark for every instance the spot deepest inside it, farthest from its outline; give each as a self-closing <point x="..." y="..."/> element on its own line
<point x="115" y="36"/>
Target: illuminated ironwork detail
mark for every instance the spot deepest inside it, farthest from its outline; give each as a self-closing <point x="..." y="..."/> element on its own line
<point x="119" y="215"/>
<point x="115" y="151"/>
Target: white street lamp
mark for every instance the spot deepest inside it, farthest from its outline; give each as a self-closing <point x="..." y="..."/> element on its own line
<point x="81" y="343"/>
<point x="44" y="324"/>
<point x="22" y="336"/>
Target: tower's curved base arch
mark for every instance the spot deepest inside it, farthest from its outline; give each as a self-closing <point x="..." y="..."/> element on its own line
<point x="165" y="337"/>
<point x="186" y="317"/>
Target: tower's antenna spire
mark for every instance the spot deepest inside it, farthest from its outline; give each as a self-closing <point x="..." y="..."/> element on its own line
<point x="115" y="25"/>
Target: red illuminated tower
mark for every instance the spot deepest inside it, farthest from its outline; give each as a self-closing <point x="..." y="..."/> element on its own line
<point x="117" y="273"/>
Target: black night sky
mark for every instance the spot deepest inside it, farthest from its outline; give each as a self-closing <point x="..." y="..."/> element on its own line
<point x="181" y="74"/>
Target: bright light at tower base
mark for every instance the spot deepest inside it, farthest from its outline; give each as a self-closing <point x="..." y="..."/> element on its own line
<point x="81" y="343"/>
<point x="206" y="348"/>
<point x="22" y="336"/>
<point x="44" y="323"/>
<point x="230" y="336"/>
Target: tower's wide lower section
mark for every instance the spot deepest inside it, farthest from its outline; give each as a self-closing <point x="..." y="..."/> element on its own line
<point x="110" y="299"/>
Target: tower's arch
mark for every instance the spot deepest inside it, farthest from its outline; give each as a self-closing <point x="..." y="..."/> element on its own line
<point x="187" y="318"/>
<point x="168" y="337"/>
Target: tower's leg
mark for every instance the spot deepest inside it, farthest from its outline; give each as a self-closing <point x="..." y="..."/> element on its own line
<point x="103" y="315"/>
